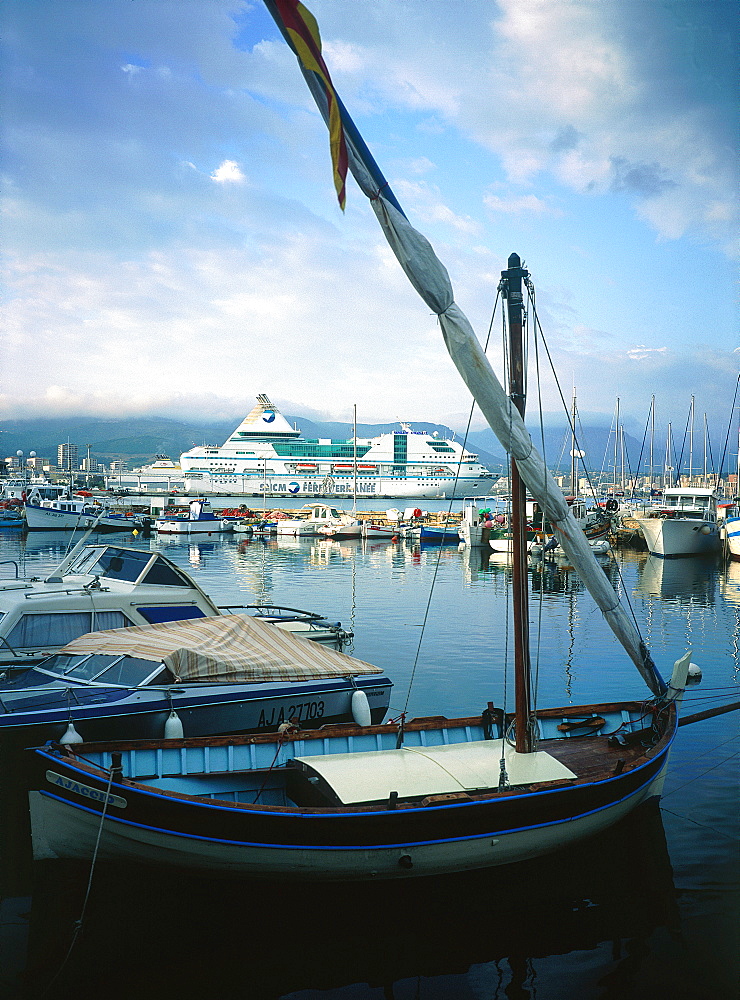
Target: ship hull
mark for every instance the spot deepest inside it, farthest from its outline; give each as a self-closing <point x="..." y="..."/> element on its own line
<point x="672" y="538"/>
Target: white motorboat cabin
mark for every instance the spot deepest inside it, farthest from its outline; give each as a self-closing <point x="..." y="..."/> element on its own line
<point x="103" y="587"/>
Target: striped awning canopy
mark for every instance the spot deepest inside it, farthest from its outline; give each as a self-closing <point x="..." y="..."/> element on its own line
<point x="224" y="648"/>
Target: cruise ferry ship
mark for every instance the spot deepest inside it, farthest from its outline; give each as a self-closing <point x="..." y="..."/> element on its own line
<point x="265" y="456"/>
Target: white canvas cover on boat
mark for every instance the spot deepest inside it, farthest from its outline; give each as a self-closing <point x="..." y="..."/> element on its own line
<point x="418" y="771"/>
<point x="224" y="648"/>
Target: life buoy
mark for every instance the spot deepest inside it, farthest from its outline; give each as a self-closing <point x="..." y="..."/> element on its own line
<point x="612" y="506"/>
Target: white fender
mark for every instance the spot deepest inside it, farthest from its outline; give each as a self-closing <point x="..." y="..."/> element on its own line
<point x="361" y="708"/>
<point x="173" y="727"/>
<point x="71" y="736"/>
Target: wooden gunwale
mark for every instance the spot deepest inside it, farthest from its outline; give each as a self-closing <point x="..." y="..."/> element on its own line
<point x="350" y="729"/>
<point x="572" y="751"/>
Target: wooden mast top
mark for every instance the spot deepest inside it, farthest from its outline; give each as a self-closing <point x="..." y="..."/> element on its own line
<point x="512" y="291"/>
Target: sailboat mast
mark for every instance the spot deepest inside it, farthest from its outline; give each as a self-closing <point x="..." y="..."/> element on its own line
<point x="573" y="453"/>
<point x="512" y="291"/>
<point x="616" y="447"/>
<point x="691" y="445"/>
<point x="354" y="457"/>
<point x="652" y="438"/>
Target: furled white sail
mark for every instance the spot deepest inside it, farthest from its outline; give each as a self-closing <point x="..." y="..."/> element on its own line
<point x="430" y="279"/>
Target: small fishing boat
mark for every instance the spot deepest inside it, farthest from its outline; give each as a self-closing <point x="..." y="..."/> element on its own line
<point x="11" y="519"/>
<point x="373" y="530"/>
<point x="217" y="675"/>
<point x="424" y="797"/>
<point x="67" y="513"/>
<point x="314" y="521"/>
<point x="444" y="534"/>
<point x="200" y="520"/>
<point x="352" y="802"/>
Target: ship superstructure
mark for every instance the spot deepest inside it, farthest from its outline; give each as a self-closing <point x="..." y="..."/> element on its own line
<point x="265" y="456"/>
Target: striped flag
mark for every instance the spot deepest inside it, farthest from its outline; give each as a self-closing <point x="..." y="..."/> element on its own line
<point x="302" y="33"/>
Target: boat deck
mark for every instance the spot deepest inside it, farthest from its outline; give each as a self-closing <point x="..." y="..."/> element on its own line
<point x="592" y="745"/>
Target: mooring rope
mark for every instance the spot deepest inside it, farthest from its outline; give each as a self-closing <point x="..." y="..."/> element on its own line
<point x="78" y="923"/>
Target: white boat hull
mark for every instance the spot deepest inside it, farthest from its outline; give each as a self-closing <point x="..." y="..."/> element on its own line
<point x="193" y="526"/>
<point x="671" y="537"/>
<point x="375" y="531"/>
<point x="61" y="831"/>
<point x="297" y="528"/>
<point x="732" y="536"/>
<point x="50" y="519"/>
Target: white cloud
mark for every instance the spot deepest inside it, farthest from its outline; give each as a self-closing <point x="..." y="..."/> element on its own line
<point x="429" y="207"/>
<point x="519" y="205"/>
<point x="641" y="352"/>
<point x="228" y="172"/>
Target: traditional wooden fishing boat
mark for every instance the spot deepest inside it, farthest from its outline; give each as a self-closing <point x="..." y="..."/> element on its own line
<point x="408" y="798"/>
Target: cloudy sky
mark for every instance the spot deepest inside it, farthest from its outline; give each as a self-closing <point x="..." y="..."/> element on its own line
<point x="173" y="243"/>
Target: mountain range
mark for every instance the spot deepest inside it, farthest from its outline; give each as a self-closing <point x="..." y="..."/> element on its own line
<point x="137" y="440"/>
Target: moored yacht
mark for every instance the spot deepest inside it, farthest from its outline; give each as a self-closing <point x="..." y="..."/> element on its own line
<point x="684" y="524"/>
<point x="96" y="587"/>
<point x="218" y="674"/>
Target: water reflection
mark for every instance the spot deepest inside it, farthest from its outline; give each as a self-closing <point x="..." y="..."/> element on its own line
<point x="686" y="580"/>
<point x="489" y="934"/>
<point x="598" y="923"/>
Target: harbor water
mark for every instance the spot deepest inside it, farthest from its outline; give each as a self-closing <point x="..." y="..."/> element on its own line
<point x="650" y="909"/>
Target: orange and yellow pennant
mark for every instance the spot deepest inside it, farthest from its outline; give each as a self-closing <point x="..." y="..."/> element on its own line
<point x="303" y="33"/>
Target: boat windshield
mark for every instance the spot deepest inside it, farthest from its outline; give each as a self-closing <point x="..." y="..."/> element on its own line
<point x="113" y="563"/>
<point x="690" y="501"/>
<point x="104" y="668"/>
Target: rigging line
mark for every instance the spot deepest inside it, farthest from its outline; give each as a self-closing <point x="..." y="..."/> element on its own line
<point x="449" y="511"/>
<point x="702" y="699"/>
<point x="696" y="777"/>
<point x="470" y="419"/>
<point x="571" y="425"/>
<point x="690" y="819"/>
<point x="78" y="922"/>
<point x="509" y="594"/>
<point x="713" y="750"/>
<point x="633" y="487"/>
<point x="625" y="593"/>
<point x="540" y="617"/>
<point x="727" y="435"/>
<point x="679" y="463"/>
<point x="604" y="466"/>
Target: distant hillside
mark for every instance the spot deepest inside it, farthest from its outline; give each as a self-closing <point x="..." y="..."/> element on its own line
<point x="138" y="440"/>
<point x="595" y="441"/>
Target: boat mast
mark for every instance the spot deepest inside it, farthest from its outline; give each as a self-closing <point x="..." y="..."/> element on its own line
<point x="616" y="447"/>
<point x="354" y="455"/>
<point x="667" y="478"/>
<point x="691" y="445"/>
<point x="652" y="437"/>
<point x="512" y="292"/>
<point x="573" y="453"/>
